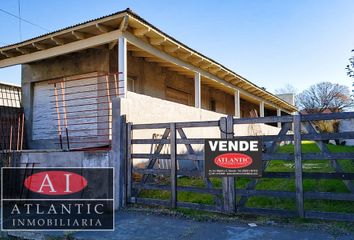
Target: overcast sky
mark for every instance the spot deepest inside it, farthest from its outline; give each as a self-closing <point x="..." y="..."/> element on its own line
<point x="272" y="43"/>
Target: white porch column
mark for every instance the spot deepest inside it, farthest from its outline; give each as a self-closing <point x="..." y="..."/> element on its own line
<point x="122" y="66"/>
<point x="261" y="109"/>
<point x="237" y="104"/>
<point x="197" y="90"/>
<point x="279" y="114"/>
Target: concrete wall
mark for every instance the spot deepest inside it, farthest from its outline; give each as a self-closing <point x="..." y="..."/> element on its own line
<point x="52" y="158"/>
<point x="287" y="97"/>
<point x="144" y="109"/>
<point x="347" y="125"/>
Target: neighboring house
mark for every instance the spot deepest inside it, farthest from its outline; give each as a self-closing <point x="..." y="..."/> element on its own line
<point x="10" y="95"/>
<point x="11" y="118"/>
<point x="316" y="110"/>
<point x="70" y="76"/>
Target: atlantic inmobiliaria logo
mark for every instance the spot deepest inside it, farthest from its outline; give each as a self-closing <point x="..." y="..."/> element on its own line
<point x="57" y="199"/>
<point x="232" y="157"/>
<point x="55" y="183"/>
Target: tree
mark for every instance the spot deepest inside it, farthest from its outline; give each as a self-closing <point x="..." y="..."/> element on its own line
<point x="288" y="88"/>
<point x="350" y="66"/>
<point x="325" y="96"/>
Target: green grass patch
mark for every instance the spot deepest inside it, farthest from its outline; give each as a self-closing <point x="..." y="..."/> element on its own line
<point x="280" y="184"/>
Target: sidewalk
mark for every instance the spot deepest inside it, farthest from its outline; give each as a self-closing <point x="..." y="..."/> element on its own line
<point x="144" y="225"/>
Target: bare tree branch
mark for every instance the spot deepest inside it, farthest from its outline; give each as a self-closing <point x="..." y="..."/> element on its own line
<point x="325" y="95"/>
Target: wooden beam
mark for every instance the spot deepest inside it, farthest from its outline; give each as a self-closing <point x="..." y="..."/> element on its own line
<point x="5" y="54"/>
<point x="9" y="55"/>
<point x="160" y="54"/>
<point x="23" y="50"/>
<point x="171" y="49"/>
<point x="133" y="48"/>
<point x="222" y="74"/>
<point x="214" y="70"/>
<point x="184" y="56"/>
<point x="60" y="50"/>
<point x="166" y="64"/>
<point x="197" y="60"/>
<point x="141" y="54"/>
<point x="157" y="41"/>
<point x="40" y="46"/>
<point x="80" y="35"/>
<point x="58" y="41"/>
<point x="141" y="31"/>
<point x="103" y="28"/>
<point x="236" y="81"/>
<point x="124" y="24"/>
<point x="229" y="77"/>
<point x="112" y="44"/>
<point x="205" y="65"/>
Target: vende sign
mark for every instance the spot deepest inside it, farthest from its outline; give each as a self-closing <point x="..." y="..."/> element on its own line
<point x="53" y="199"/>
<point x="232" y="157"/>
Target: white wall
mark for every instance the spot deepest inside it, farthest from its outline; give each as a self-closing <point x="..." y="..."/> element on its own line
<point x="144" y="109"/>
<point x="347" y="125"/>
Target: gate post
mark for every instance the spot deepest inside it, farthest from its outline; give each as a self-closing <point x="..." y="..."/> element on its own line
<point x="298" y="165"/>
<point x="118" y="154"/>
<point x="173" y="165"/>
<point x="228" y="183"/>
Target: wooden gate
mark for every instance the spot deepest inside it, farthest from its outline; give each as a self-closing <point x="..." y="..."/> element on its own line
<point x="234" y="195"/>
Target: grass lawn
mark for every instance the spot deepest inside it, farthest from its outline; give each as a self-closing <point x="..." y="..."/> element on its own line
<point x="313" y="185"/>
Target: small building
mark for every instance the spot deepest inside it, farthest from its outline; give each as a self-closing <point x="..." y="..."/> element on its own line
<point x="70" y="76"/>
<point x="11" y="118"/>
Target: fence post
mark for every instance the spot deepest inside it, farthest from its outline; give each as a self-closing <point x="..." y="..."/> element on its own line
<point x="119" y="154"/>
<point x="173" y="165"/>
<point x="228" y="183"/>
<point x="298" y="165"/>
<point x="129" y="162"/>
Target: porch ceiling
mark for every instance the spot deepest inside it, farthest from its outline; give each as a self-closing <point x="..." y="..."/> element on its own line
<point x="105" y="31"/>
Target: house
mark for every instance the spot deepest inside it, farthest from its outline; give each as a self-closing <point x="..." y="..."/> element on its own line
<point x="11" y="118"/>
<point x="70" y="76"/>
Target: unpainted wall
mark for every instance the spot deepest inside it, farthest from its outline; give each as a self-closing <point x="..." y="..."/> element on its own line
<point x="155" y="81"/>
<point x="88" y="61"/>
